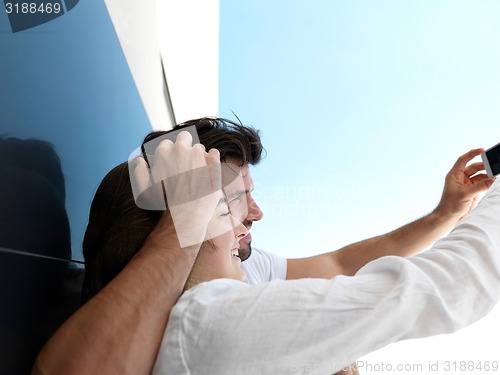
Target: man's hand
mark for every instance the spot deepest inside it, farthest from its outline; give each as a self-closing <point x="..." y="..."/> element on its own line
<point x="462" y="187"/>
<point x="188" y="178"/>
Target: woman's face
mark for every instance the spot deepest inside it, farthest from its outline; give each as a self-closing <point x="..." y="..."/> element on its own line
<point x="218" y="257"/>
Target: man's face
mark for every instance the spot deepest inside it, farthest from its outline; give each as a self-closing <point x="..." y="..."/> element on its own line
<point x="241" y="203"/>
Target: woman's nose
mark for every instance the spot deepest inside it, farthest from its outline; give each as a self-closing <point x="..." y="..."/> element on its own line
<point x="240" y="230"/>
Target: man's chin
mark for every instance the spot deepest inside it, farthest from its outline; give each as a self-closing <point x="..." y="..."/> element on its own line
<point x="245" y="251"/>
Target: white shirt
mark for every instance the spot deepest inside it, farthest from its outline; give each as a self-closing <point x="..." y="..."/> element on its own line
<point x="229" y="327"/>
<point x="262" y="266"/>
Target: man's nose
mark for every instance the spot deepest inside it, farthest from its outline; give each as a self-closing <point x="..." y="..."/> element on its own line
<point x="254" y="211"/>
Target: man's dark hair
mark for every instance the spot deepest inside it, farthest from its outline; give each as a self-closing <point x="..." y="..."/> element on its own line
<point x="117" y="228"/>
<point x="230" y="138"/>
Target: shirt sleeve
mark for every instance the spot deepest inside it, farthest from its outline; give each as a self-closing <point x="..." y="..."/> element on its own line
<point x="323" y="325"/>
<point x="262" y="267"/>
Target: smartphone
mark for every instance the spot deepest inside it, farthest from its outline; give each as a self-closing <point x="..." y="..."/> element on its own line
<point x="491" y="160"/>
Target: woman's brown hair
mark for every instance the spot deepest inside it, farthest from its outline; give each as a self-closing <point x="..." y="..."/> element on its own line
<point x="117" y="228"/>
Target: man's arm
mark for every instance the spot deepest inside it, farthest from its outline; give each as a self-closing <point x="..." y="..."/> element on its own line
<point x="460" y="194"/>
<point x="120" y="329"/>
<point x="326" y="324"/>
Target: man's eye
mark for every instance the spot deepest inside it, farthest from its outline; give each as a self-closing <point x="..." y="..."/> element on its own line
<point x="225" y="214"/>
<point x="237" y="199"/>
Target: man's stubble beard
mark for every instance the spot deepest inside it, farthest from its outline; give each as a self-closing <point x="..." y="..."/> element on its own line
<point x="245" y="251"/>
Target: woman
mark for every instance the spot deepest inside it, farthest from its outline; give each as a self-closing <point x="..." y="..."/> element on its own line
<point x="222" y="325"/>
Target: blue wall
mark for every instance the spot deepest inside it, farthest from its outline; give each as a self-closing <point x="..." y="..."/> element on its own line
<point x="67" y="82"/>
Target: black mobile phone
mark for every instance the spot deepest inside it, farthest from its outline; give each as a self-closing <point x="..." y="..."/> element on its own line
<point x="491" y="160"/>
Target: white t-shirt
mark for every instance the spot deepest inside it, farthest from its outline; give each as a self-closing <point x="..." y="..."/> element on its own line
<point x="230" y="327"/>
<point x="262" y="267"/>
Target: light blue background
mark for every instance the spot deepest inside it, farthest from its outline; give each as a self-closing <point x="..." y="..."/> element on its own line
<point x="364" y="106"/>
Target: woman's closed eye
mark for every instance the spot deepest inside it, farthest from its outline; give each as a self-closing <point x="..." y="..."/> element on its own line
<point x="222" y="209"/>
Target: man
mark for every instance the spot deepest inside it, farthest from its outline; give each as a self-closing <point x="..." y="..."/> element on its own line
<point x="119" y="330"/>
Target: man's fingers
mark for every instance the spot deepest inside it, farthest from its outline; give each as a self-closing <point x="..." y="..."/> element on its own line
<point x="465" y="158"/>
<point x="141" y="179"/>
<point x="185" y="137"/>
<point x="146" y="195"/>
<point x="172" y="159"/>
<point x="212" y="156"/>
<point x="200" y="146"/>
<point x="473" y="169"/>
<point x="161" y="153"/>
